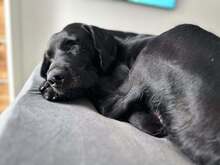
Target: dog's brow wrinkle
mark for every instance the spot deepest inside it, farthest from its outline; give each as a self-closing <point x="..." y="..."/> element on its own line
<point x="72" y="37"/>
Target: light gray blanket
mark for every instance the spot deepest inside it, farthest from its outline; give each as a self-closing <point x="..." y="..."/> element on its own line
<point x="34" y="131"/>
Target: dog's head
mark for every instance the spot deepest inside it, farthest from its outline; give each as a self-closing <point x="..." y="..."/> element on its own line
<point x="77" y="56"/>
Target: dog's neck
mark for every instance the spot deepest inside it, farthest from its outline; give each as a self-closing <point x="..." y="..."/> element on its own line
<point x="130" y="45"/>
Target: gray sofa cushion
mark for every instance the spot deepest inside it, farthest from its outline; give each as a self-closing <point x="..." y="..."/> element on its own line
<point x="34" y="131"/>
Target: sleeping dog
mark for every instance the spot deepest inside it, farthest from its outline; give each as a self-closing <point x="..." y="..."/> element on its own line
<point x="165" y="83"/>
<point x="87" y="61"/>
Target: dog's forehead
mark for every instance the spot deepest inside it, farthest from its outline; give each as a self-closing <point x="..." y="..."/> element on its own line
<point x="57" y="38"/>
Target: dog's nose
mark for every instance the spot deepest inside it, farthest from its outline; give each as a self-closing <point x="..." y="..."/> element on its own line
<point x="56" y="79"/>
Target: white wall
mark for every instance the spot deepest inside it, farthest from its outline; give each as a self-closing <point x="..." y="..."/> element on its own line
<point x="33" y="21"/>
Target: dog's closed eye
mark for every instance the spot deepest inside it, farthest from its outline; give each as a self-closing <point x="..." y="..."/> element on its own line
<point x="49" y="54"/>
<point x="67" y="44"/>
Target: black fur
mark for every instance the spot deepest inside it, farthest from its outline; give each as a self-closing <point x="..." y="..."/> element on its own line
<point x="178" y="76"/>
<point x="169" y="82"/>
<point x="87" y="61"/>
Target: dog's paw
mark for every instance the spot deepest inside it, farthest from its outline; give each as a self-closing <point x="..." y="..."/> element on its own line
<point x="148" y="122"/>
<point x="48" y="92"/>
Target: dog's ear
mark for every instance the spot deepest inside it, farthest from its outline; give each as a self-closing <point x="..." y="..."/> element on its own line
<point x="105" y="46"/>
<point x="45" y="66"/>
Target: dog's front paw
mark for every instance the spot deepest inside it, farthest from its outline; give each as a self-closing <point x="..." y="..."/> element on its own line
<point x="48" y="92"/>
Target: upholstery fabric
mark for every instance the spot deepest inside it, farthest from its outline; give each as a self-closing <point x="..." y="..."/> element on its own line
<point x="34" y="131"/>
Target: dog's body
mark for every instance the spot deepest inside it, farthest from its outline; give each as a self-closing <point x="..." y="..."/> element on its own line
<point x="175" y="75"/>
<point x="178" y="76"/>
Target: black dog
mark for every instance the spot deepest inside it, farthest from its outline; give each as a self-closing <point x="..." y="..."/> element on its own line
<point x="178" y="75"/>
<point x="86" y="61"/>
<point x="175" y="75"/>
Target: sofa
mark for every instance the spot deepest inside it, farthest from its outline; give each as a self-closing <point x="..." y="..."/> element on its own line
<point x="34" y="131"/>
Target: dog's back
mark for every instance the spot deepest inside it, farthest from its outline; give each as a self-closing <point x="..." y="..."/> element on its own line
<point x="188" y="58"/>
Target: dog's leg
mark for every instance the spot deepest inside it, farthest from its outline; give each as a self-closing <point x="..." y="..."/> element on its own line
<point x="147" y="122"/>
<point x="128" y="109"/>
<point x="128" y="104"/>
<point x="117" y="104"/>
